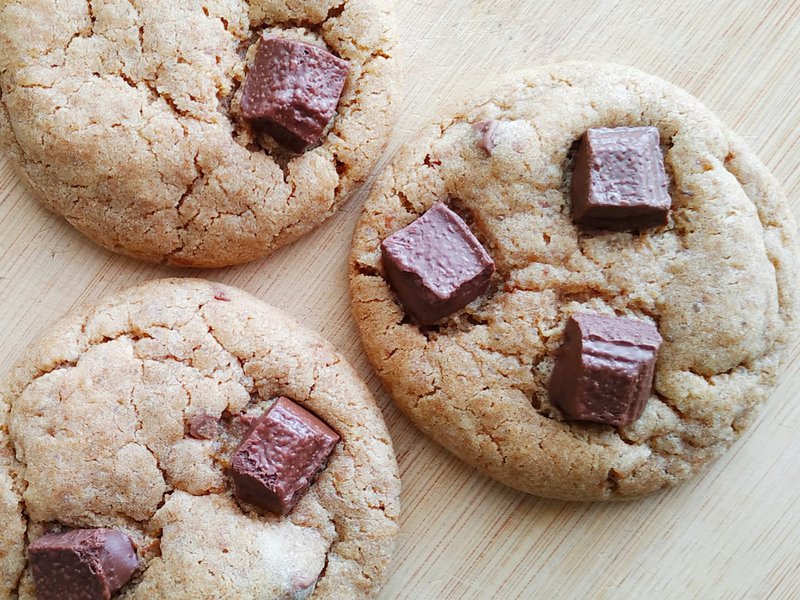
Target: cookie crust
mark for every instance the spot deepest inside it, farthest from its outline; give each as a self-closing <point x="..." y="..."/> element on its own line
<point x="124" y="118"/>
<point x="94" y="433"/>
<point x="719" y="281"/>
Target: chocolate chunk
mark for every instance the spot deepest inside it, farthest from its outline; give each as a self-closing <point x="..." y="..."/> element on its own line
<point x="292" y="90"/>
<point x="485" y="131"/>
<point x="619" y="180"/>
<point x="83" y="564"/>
<point x="280" y="456"/>
<point x="604" y="371"/>
<point x="435" y="265"/>
<point x="203" y="426"/>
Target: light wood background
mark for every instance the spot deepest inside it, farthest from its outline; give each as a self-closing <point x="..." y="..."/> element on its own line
<point x="732" y="533"/>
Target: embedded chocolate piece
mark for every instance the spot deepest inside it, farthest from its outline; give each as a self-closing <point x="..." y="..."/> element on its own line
<point x="619" y="180"/>
<point x="604" y="371"/>
<point x="85" y="564"/>
<point x="485" y="131"/>
<point x="203" y="426"/>
<point x="435" y="265"/>
<point x="292" y="90"/>
<point x="280" y="456"/>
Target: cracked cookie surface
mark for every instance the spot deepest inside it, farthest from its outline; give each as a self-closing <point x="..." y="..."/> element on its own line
<point x="719" y="281"/>
<point x="124" y="117"/>
<point x="94" y="432"/>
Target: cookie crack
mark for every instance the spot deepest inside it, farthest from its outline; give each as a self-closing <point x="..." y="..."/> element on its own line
<point x="336" y="11"/>
<point x="137" y="435"/>
<point x="168" y="100"/>
<point x="406" y="203"/>
<point x="85" y="34"/>
<point x="611" y="484"/>
<point x="316" y="26"/>
<point x="240" y="361"/>
<point x="485" y="432"/>
<point x="191" y="187"/>
<point x="92" y="18"/>
<point x="366" y="270"/>
<point x="329" y="551"/>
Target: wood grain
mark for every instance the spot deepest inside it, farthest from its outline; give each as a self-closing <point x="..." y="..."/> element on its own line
<point x="732" y="533"/>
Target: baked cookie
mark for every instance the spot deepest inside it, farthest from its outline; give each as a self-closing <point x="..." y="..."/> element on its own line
<point x="147" y="421"/>
<point x="710" y="279"/>
<point x="129" y="119"/>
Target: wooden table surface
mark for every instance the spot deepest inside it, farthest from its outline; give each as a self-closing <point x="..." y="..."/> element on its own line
<point x="733" y="532"/>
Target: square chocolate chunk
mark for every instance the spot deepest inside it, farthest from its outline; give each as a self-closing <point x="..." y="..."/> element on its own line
<point x="604" y="371"/>
<point x="280" y="456"/>
<point x="292" y="90"/>
<point x="90" y="564"/>
<point x="619" y="180"/>
<point x="436" y="265"/>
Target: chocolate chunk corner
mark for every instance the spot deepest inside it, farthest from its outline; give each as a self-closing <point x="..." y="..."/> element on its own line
<point x="436" y="265"/>
<point x="292" y="90"/>
<point x="203" y="426"/>
<point x="281" y="455"/>
<point x="83" y="563"/>
<point x="604" y="370"/>
<point x="485" y="130"/>
<point x="619" y="181"/>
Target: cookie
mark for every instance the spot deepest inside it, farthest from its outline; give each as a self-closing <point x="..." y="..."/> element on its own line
<point x="703" y="294"/>
<point x="126" y="420"/>
<point x="135" y="123"/>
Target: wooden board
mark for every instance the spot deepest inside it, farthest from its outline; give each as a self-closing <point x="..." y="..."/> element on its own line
<point x="732" y="533"/>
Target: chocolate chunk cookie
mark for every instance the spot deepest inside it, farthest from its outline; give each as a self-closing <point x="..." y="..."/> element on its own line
<point x="675" y="253"/>
<point x="193" y="133"/>
<point x="121" y="436"/>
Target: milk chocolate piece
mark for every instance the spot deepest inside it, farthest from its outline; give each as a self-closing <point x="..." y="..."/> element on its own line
<point x="604" y="371"/>
<point x="435" y="265"/>
<point x="83" y="564"/>
<point x="203" y="426"/>
<point x="292" y="90"/>
<point x="619" y="180"/>
<point x="280" y="456"/>
<point x="485" y="131"/>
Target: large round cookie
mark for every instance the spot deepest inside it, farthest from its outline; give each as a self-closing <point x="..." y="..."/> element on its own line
<point x="92" y="434"/>
<point x="719" y="281"/>
<point x="125" y="118"/>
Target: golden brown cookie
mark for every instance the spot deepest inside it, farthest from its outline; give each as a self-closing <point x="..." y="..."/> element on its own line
<point x="719" y="281"/>
<point x="126" y="119"/>
<point x="125" y="415"/>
